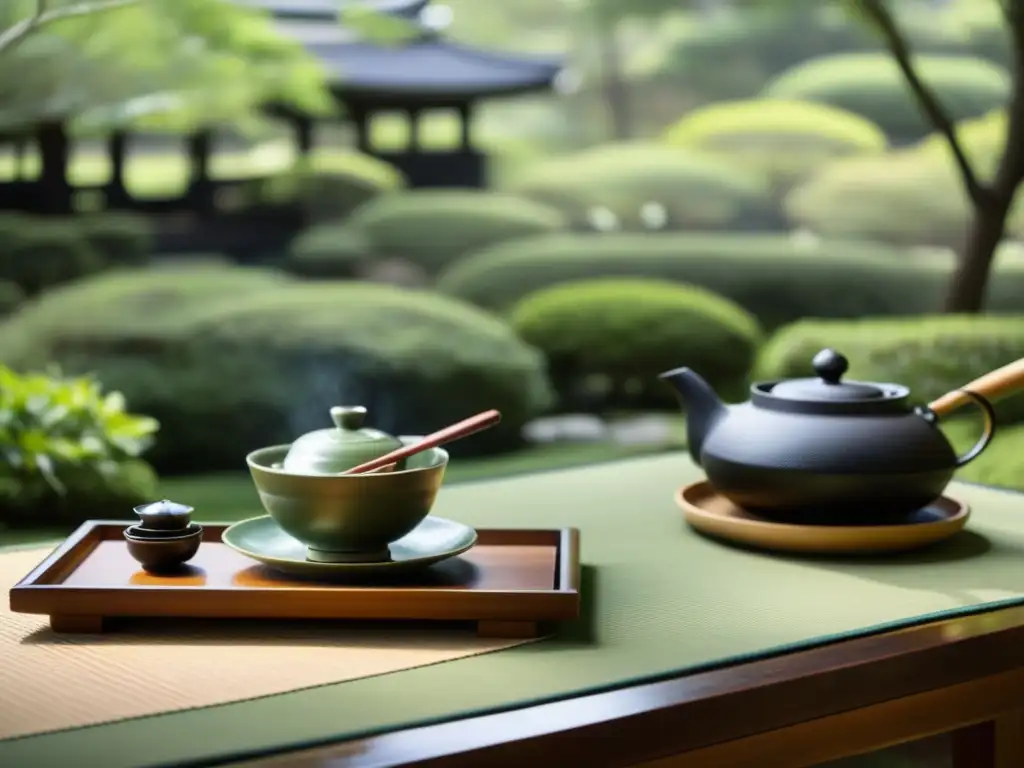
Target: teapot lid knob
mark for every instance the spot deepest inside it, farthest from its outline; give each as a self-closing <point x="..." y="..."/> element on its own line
<point x="348" y="417"/>
<point x="830" y="365"/>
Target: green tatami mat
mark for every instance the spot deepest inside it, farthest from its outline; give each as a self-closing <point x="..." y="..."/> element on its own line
<point x="658" y="597"/>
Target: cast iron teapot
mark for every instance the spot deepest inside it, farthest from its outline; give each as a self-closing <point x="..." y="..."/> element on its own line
<point x="824" y="450"/>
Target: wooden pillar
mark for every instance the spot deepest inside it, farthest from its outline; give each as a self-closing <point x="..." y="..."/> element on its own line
<point x="20" y="147"/>
<point x="361" y="121"/>
<point x="117" y="148"/>
<point x="414" y="144"/>
<point x="305" y="136"/>
<point x="54" y="157"/>
<point x="466" y="125"/>
<point x="200" y="194"/>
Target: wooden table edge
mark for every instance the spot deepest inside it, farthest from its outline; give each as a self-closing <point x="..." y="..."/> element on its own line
<point x="647" y="721"/>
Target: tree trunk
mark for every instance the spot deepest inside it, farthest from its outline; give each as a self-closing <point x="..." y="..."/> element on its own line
<point x="614" y="90"/>
<point x="970" y="279"/>
<point x="988" y="220"/>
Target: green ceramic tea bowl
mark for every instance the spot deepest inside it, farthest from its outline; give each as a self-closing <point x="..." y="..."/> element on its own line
<point x="348" y="518"/>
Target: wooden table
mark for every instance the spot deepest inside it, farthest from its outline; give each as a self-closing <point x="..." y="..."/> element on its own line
<point x="963" y="676"/>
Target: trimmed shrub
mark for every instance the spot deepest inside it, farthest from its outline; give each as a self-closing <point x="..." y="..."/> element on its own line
<point x="144" y="308"/>
<point x="872" y="85"/>
<point x="70" y="451"/>
<point x="910" y="197"/>
<point x="229" y="373"/>
<point x="38" y="254"/>
<point x="10" y="297"/>
<point x="329" y="188"/>
<point x="619" y="334"/>
<point x="328" y="251"/>
<point x="774" y="277"/>
<point x="893" y="199"/>
<point x="696" y="190"/>
<point x="731" y="55"/>
<point x="433" y="228"/>
<point x="118" y="239"/>
<point x="931" y="355"/>
<point x="784" y="140"/>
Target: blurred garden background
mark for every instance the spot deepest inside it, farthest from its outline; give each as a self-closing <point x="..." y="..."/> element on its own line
<point x="218" y="219"/>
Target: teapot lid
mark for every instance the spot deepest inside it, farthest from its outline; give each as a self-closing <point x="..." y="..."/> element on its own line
<point x="830" y="367"/>
<point x="342" y="447"/>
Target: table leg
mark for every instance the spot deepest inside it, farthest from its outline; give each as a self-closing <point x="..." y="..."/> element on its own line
<point x="75" y="623"/>
<point x="996" y="743"/>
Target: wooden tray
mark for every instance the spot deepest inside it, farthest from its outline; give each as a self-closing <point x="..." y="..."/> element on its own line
<point x="507" y="583"/>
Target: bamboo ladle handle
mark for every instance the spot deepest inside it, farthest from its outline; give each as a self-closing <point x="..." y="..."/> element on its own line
<point x="456" y="431"/>
<point x="992" y="386"/>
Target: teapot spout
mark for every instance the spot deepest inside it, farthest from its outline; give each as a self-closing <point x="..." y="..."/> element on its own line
<point x="703" y="407"/>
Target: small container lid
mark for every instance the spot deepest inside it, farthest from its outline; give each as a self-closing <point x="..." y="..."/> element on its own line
<point x="170" y="513"/>
<point x="830" y="367"/>
<point x="346" y="445"/>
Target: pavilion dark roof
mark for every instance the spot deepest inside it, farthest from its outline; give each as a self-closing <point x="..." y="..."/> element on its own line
<point x="328" y="9"/>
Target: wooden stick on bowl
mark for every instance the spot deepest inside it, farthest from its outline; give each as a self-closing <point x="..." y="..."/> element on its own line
<point x="457" y="431"/>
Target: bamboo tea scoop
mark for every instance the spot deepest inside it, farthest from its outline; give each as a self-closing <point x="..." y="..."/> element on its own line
<point x="457" y="431"/>
<point x="992" y="386"/>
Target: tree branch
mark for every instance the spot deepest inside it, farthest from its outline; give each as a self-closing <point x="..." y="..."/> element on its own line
<point x="926" y="98"/>
<point x="44" y="16"/>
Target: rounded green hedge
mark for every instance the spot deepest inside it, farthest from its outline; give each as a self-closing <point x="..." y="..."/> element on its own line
<point x="931" y="355"/>
<point x="235" y="371"/>
<point x="783" y="139"/>
<point x="871" y="85"/>
<point x="11" y="297"/>
<point x="328" y="251"/>
<point x="330" y="187"/>
<point x="617" y="335"/>
<point x="119" y="239"/>
<point x="772" y="276"/>
<point x="36" y="254"/>
<point x="433" y="228"/>
<point x="912" y="197"/>
<point x="892" y="199"/>
<point x="143" y="308"/>
<point x="696" y="190"/>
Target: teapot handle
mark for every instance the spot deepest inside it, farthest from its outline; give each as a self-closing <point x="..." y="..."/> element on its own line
<point x="989" y="431"/>
<point x="992" y="386"/>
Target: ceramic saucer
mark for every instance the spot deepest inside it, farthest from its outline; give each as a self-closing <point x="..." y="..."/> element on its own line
<point x="433" y="540"/>
<point x="709" y="512"/>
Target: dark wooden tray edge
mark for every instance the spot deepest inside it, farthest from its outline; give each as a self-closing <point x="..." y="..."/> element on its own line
<point x="83" y="609"/>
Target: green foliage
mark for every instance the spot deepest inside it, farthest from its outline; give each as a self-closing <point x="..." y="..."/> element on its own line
<point x="619" y="334"/>
<point x="36" y="254"/>
<point x="775" y="278"/>
<point x="208" y="61"/>
<point x="328" y="251"/>
<point x="931" y="355"/>
<point x="10" y="297"/>
<point x="229" y="360"/>
<point x="119" y="239"/>
<point x="434" y="228"/>
<point x="696" y="190"/>
<point x="784" y="140"/>
<point x="59" y="437"/>
<point x="872" y="85"/>
<point x="329" y="191"/>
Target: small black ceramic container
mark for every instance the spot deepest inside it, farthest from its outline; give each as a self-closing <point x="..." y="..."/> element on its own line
<point x="159" y="552"/>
